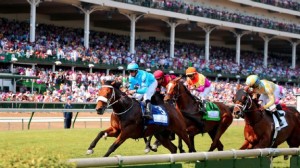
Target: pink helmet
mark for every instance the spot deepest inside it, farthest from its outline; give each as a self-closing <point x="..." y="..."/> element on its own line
<point x="158" y="74"/>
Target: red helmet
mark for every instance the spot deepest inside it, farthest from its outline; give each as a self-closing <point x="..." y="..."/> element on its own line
<point x="158" y="74"/>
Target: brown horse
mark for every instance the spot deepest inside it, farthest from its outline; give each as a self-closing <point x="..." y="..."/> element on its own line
<point x="260" y="127"/>
<point x="127" y="121"/>
<point x="189" y="107"/>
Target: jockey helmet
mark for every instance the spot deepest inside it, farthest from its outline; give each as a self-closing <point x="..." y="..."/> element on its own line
<point x="253" y="81"/>
<point x="190" y="71"/>
<point x="132" y="66"/>
<point x="158" y="74"/>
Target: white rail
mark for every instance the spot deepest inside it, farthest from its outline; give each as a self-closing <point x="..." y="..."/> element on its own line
<point x="171" y="158"/>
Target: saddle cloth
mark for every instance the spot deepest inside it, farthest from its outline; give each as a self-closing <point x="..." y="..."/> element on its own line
<point x="212" y="112"/>
<point x="160" y="116"/>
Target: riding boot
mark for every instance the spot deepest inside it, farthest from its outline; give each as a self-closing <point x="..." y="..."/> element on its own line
<point x="148" y="113"/>
<point x="203" y="107"/>
<point x="276" y="113"/>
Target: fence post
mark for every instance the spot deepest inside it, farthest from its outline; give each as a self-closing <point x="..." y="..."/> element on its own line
<point x="28" y="127"/>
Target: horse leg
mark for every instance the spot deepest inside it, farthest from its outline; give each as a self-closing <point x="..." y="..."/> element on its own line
<point x="147" y="142"/>
<point x="148" y="146"/>
<point x="181" y="150"/>
<point x="182" y="135"/>
<point x="115" y="145"/>
<point x="216" y="134"/>
<point x="166" y="142"/>
<point x="155" y="146"/>
<point x="215" y="142"/>
<point x="111" y="132"/>
<point x="245" y="145"/>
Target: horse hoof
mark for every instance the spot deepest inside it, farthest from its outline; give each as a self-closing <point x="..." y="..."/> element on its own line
<point x="105" y="136"/>
<point x="154" y="146"/>
<point x="147" y="150"/>
<point x="90" y="151"/>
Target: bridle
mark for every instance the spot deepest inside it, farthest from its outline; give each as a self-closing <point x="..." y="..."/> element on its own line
<point x="245" y="106"/>
<point x="113" y="97"/>
<point x="174" y="96"/>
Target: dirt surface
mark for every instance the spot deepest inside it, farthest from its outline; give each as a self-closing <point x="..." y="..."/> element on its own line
<point x="6" y="126"/>
<point x="19" y="125"/>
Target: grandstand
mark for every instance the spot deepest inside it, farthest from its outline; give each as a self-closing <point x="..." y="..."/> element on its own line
<point x="226" y="41"/>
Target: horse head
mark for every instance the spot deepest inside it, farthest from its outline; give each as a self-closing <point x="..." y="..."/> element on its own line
<point x="106" y="96"/>
<point x="242" y="101"/>
<point x="172" y="90"/>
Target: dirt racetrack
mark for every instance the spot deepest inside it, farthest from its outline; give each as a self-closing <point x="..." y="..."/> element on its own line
<point x="13" y="121"/>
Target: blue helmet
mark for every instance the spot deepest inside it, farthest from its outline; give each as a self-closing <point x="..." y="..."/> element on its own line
<point x="132" y="66"/>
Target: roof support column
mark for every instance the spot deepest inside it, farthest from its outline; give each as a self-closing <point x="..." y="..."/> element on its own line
<point x="208" y="29"/>
<point x="87" y="29"/>
<point x="239" y="34"/>
<point x="133" y="19"/>
<point x="266" y="38"/>
<point x="294" y="53"/>
<point x="173" y="24"/>
<point x="33" y="4"/>
<point x="87" y="9"/>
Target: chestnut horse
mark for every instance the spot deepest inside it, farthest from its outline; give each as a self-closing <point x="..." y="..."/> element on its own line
<point x="259" y="127"/>
<point x="127" y="121"/>
<point x="189" y="107"/>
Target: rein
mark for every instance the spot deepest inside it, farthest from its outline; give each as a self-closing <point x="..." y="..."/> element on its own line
<point x="176" y="96"/>
<point x="113" y="96"/>
<point x="246" y="109"/>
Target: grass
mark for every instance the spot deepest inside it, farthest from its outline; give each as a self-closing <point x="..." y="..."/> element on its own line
<point x="73" y="143"/>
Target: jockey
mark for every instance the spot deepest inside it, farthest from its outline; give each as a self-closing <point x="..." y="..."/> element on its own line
<point x="269" y="93"/>
<point x="198" y="82"/>
<point x="141" y="84"/>
<point x="162" y="80"/>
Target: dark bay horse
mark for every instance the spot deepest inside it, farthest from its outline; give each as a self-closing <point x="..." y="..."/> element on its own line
<point x="189" y="107"/>
<point x="127" y="121"/>
<point x="259" y="127"/>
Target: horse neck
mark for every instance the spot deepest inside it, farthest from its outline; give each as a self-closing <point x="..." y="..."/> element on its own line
<point x="254" y="115"/>
<point x="185" y="99"/>
<point x="123" y="102"/>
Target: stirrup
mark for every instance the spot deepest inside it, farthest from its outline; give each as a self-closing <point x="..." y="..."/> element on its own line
<point x="147" y="116"/>
<point x="280" y="123"/>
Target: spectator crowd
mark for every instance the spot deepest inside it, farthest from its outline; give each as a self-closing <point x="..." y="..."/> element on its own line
<point x="61" y="43"/>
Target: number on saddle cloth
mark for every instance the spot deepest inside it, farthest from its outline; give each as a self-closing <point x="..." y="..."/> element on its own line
<point x="212" y="112"/>
<point x="160" y="116"/>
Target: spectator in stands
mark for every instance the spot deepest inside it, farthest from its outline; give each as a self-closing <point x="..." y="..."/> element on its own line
<point x="68" y="115"/>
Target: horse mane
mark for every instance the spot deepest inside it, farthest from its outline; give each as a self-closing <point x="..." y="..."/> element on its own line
<point x="116" y="85"/>
<point x="187" y="91"/>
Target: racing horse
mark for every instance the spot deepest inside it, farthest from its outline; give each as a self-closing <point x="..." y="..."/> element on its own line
<point x="189" y="107"/>
<point x="259" y="125"/>
<point x="127" y="121"/>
